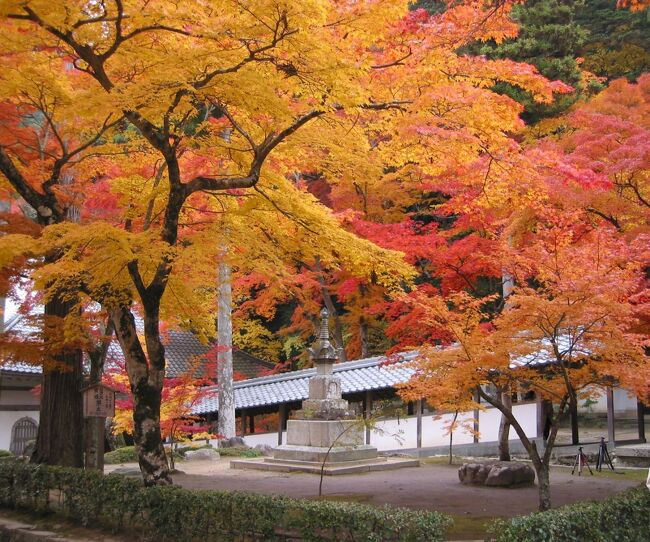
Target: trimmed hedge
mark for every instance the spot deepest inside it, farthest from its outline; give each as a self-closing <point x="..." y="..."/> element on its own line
<point x="621" y="518"/>
<point x="173" y="513"/>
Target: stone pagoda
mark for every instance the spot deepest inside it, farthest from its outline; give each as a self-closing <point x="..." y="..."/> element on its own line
<point x="324" y="434"/>
<point x="325" y="429"/>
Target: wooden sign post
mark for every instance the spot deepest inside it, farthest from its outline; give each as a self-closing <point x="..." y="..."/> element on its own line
<point x="99" y="404"/>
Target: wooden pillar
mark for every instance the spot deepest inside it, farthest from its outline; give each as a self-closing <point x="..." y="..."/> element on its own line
<point x="367" y="412"/>
<point x="251" y="424"/>
<point x="419" y="404"/>
<point x="242" y="422"/>
<point x="611" y="434"/>
<point x="281" y="421"/>
<point x="476" y="414"/>
<point x="640" y="420"/>
<point x="541" y="415"/>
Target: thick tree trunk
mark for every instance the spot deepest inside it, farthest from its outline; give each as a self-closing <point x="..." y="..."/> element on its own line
<point x="573" y="415"/>
<point x="544" y="486"/>
<point x="363" y="333"/>
<point x="225" y="393"/>
<point x="146" y="381"/>
<point x="504" y="429"/>
<point x="60" y="430"/>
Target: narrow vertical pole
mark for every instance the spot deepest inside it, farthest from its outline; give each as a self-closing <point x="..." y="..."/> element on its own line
<point x="251" y="423"/>
<point x="242" y="421"/>
<point x="610" y="416"/>
<point x="541" y="418"/>
<point x="476" y="414"/>
<point x="281" y="421"/>
<point x="640" y="410"/>
<point x="367" y="412"/>
<point x="418" y="406"/>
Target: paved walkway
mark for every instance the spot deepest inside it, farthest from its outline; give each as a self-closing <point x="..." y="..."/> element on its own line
<point x="431" y="486"/>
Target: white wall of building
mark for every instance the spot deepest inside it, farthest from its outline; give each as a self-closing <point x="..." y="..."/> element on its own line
<point x="9" y="417"/>
<point x="623" y="402"/>
<point x="401" y="434"/>
<point x="7" y="421"/>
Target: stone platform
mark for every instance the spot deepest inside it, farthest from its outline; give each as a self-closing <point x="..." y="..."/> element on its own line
<point x="332" y="468"/>
<point x="633" y="455"/>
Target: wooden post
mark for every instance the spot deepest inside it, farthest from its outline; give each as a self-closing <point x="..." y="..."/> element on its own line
<point x="242" y="421"/>
<point x="367" y="412"/>
<point x="251" y="424"/>
<point x="418" y="405"/>
<point x="640" y="420"/>
<point x="281" y="421"/>
<point x="541" y="418"/>
<point x="611" y="434"/>
<point x="476" y="414"/>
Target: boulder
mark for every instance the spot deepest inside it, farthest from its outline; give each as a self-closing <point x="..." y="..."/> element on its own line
<point x="202" y="454"/>
<point x="497" y="474"/>
<point x="234" y="442"/>
<point x="265" y="449"/>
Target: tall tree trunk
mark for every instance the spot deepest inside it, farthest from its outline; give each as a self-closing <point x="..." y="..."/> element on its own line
<point x="504" y="429"/>
<point x="225" y="392"/>
<point x="544" y="485"/>
<point x="146" y="381"/>
<point x="507" y="286"/>
<point x="573" y="415"/>
<point x="60" y="429"/>
<point x="363" y="334"/>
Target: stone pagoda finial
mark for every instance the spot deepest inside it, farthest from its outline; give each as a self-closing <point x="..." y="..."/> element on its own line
<point x="322" y="351"/>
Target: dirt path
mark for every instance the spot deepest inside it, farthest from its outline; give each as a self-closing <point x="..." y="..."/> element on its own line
<point x="431" y="486"/>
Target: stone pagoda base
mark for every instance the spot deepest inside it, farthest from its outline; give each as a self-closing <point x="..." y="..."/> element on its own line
<point x="331" y="445"/>
<point x="331" y="468"/>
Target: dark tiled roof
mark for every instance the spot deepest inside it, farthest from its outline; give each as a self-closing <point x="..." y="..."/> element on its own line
<point x="184" y="348"/>
<point x="181" y="350"/>
<point x="356" y="376"/>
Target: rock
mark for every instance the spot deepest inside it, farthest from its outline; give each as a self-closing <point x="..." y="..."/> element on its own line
<point x="202" y="454"/>
<point x="234" y="442"/>
<point x="265" y="449"/>
<point x="497" y="474"/>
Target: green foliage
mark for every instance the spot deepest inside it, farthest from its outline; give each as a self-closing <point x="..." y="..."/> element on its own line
<point x="172" y="513"/>
<point x="239" y="451"/>
<point x="618" y="44"/>
<point x="5" y="453"/>
<point x="127" y="454"/>
<point x="549" y="39"/>
<point x="622" y="518"/>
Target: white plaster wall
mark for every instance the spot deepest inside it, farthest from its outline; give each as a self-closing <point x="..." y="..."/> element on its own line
<point x="401" y="434"/>
<point x="7" y="421"/>
<point x="623" y="401"/>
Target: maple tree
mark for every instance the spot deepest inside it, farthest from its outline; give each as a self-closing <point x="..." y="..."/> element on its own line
<point x="219" y="103"/>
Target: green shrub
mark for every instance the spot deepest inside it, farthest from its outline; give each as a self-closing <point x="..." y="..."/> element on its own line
<point x="5" y="453"/>
<point x="125" y="454"/>
<point x="172" y="513"/>
<point x="622" y="518"/>
<point x="239" y="451"/>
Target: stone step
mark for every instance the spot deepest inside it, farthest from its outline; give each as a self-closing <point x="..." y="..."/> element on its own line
<point x="351" y="467"/>
<point x="633" y="455"/>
